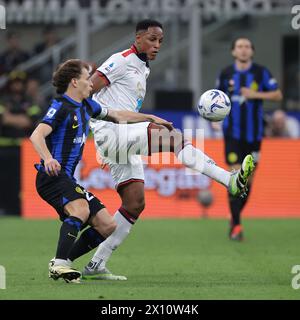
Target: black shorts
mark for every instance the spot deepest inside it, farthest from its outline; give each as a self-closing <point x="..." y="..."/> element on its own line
<point x="236" y="151"/>
<point x="60" y="190"/>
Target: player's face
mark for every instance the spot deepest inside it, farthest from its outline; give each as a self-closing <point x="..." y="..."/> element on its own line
<point x="243" y="50"/>
<point x="150" y="41"/>
<point x="84" y="84"/>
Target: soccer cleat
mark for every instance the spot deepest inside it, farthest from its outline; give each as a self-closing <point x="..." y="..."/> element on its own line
<point x="239" y="179"/>
<point x="64" y="272"/>
<point x="50" y="265"/>
<point x="100" y="274"/>
<point x="236" y="233"/>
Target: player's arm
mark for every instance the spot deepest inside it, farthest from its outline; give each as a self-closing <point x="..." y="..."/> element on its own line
<point x="134" y="117"/>
<point x="20" y="121"/>
<point x="124" y="116"/>
<point x="274" y="95"/>
<point x="270" y="90"/>
<point x="38" y="139"/>
<point x="113" y="69"/>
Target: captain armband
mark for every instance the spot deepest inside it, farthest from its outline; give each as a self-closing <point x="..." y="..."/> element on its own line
<point x="103" y="114"/>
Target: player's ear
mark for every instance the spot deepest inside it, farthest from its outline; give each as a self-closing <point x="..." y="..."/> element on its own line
<point x="74" y="82"/>
<point x="138" y="37"/>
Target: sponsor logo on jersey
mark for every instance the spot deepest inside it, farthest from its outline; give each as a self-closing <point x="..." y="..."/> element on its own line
<point x="80" y="140"/>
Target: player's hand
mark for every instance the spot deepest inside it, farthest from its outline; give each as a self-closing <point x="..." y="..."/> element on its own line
<point x="248" y="93"/>
<point x="162" y="122"/>
<point x="52" y="167"/>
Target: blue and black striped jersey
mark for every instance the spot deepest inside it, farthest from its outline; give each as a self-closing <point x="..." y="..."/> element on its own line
<point x="245" y="121"/>
<point x="69" y="121"/>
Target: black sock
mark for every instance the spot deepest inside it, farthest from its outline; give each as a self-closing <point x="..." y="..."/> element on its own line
<point x="88" y="240"/>
<point x="68" y="234"/>
<point x="236" y="207"/>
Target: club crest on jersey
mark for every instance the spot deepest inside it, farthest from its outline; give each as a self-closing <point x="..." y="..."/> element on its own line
<point x="79" y="190"/>
<point x="51" y="112"/>
<point x="75" y="118"/>
<point x="254" y="86"/>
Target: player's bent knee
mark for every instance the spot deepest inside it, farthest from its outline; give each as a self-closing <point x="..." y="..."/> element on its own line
<point x="136" y="207"/>
<point x="140" y="206"/>
<point x="79" y="209"/>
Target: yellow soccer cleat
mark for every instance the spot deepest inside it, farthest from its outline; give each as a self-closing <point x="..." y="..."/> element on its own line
<point x="239" y="179"/>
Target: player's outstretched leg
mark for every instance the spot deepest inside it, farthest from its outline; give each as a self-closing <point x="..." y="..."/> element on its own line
<point x="197" y="160"/>
<point x="239" y="179"/>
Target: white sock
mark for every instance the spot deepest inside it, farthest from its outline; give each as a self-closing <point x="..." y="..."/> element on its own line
<point x="106" y="248"/>
<point x="62" y="262"/>
<point x="195" y="159"/>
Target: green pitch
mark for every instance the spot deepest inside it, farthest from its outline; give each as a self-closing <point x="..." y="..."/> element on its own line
<point x="163" y="259"/>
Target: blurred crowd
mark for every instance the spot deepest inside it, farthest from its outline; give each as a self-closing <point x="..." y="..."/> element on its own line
<point x="21" y="101"/>
<point x="21" y="107"/>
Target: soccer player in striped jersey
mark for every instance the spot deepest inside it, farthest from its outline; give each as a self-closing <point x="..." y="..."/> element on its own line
<point x="247" y="84"/>
<point x="120" y="83"/>
<point x="59" y="140"/>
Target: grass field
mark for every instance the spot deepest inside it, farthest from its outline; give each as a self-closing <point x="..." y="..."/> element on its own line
<point x="163" y="259"/>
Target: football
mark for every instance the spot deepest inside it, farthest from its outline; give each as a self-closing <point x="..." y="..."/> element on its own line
<point x="214" y="105"/>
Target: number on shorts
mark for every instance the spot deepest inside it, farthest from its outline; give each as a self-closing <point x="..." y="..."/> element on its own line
<point x="88" y="196"/>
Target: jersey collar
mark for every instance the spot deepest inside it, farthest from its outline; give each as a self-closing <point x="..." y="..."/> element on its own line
<point x="142" y="56"/>
<point x="242" y="71"/>
<point x="77" y="104"/>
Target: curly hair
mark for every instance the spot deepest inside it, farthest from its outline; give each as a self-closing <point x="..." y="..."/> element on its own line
<point x="67" y="71"/>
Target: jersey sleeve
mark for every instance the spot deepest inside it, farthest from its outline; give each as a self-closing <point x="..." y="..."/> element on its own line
<point x="220" y="82"/>
<point x="98" y="112"/>
<point x="55" y="115"/>
<point x="269" y="82"/>
<point x="113" y="68"/>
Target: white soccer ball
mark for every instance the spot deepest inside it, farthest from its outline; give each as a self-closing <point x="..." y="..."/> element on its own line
<point x="214" y="105"/>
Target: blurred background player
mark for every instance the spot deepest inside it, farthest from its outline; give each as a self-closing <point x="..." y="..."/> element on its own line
<point x="59" y="140"/>
<point x="120" y="83"/>
<point x="247" y="84"/>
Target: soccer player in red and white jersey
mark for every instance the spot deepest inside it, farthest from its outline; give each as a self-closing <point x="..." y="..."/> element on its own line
<point x="120" y="83"/>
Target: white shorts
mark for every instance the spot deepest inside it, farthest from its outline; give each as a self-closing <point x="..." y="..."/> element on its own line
<point x="120" y="146"/>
